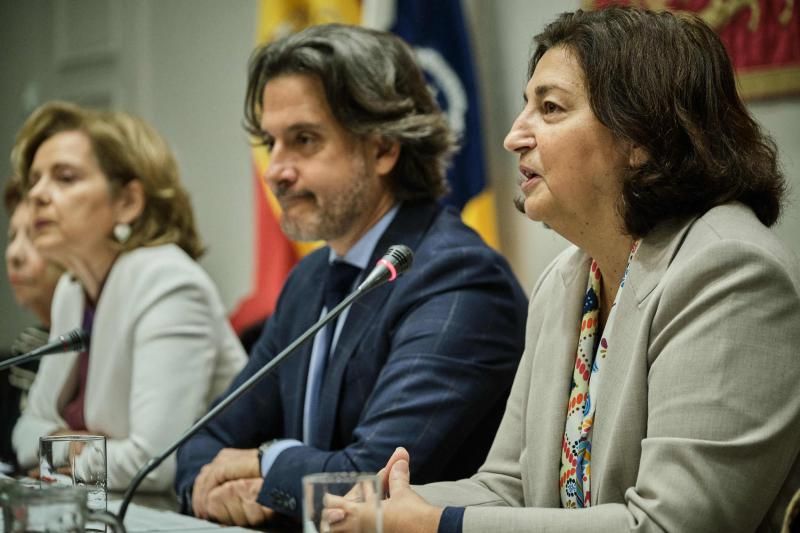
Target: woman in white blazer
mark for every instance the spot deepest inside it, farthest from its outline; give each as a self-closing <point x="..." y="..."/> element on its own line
<point x="658" y="388"/>
<point x="108" y="205"/>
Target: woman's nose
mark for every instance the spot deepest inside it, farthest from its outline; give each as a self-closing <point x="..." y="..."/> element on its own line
<point x="14" y="256"/>
<point x="520" y="137"/>
<point x="38" y="194"/>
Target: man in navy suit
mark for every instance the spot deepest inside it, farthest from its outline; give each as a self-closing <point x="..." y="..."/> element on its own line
<point x="358" y="150"/>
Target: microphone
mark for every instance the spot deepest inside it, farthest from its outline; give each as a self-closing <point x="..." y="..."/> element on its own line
<point x="72" y="341"/>
<point x="395" y="262"/>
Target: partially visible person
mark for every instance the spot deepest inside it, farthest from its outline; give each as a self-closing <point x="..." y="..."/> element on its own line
<point x="658" y="389"/>
<point x="33" y="281"/>
<point x="107" y="204"/>
<point x="791" y="521"/>
<point x="358" y="150"/>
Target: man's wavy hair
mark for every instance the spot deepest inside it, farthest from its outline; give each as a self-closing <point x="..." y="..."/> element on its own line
<point x="664" y="82"/>
<point x="373" y="87"/>
<point x="127" y="149"/>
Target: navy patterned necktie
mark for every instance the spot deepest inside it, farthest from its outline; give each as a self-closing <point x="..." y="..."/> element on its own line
<point x="340" y="280"/>
<point x="341" y="277"/>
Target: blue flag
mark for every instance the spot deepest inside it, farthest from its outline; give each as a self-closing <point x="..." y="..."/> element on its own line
<point x="437" y="31"/>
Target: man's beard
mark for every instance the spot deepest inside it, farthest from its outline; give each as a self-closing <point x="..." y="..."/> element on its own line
<point x="338" y="215"/>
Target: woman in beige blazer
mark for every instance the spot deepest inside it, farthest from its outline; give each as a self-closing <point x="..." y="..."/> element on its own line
<point x="658" y="388"/>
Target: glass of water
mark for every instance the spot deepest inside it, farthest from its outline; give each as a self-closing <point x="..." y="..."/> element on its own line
<point x="320" y="492"/>
<point x="75" y="460"/>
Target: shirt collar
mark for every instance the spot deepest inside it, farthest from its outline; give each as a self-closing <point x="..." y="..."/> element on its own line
<point x="362" y="250"/>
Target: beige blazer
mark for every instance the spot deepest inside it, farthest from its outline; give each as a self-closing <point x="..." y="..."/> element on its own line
<point x="161" y="351"/>
<point x="697" y="425"/>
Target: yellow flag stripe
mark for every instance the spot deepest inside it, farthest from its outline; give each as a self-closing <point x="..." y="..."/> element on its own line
<point x="278" y="18"/>
<point x="480" y="215"/>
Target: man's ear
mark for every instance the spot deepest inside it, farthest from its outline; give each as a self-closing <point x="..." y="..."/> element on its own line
<point x="386" y="155"/>
<point x="130" y="202"/>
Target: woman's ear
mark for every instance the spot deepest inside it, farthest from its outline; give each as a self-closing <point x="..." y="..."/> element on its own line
<point x="637" y="156"/>
<point x="130" y="202"/>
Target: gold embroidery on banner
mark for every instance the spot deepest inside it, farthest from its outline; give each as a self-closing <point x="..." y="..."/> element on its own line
<point x="716" y="14"/>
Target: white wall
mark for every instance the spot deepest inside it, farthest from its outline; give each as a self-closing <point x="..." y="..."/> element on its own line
<point x="502" y="35"/>
<point x="781" y="119"/>
<point x="181" y="64"/>
<point x="21" y="65"/>
<point x="198" y="65"/>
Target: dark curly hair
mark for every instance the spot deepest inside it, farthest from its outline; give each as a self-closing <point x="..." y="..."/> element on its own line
<point x="664" y="82"/>
<point x="373" y="87"/>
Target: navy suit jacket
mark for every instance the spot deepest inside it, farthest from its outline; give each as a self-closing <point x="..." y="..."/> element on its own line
<point x="425" y="362"/>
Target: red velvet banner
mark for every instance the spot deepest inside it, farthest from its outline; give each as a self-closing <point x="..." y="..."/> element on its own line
<point x="761" y="36"/>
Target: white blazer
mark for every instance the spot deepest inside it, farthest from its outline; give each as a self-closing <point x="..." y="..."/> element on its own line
<point x="161" y="350"/>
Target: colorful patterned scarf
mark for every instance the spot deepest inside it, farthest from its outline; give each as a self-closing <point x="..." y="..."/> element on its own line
<point x="576" y="447"/>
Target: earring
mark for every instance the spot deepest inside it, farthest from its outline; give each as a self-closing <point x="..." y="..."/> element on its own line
<point x="122" y="232"/>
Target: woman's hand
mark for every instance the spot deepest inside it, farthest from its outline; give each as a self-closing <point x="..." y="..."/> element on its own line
<point x="403" y="510"/>
<point x="75" y="448"/>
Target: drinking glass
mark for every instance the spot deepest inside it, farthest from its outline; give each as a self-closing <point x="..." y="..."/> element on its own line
<point x="362" y="489"/>
<point x="52" y="509"/>
<point x="75" y="460"/>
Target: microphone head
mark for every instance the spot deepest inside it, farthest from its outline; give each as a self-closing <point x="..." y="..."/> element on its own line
<point x="400" y="256"/>
<point x="76" y="340"/>
<point x="397" y="260"/>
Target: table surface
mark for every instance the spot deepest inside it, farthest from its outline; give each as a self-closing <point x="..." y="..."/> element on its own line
<point x="141" y="519"/>
<point x="152" y="513"/>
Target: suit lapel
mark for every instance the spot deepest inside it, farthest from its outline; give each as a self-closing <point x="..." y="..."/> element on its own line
<point x="408" y="227"/>
<point x="654" y="256"/>
<point x="551" y="379"/>
<point x="628" y="341"/>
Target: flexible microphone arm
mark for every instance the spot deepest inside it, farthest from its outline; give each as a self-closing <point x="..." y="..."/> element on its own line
<point x="395" y="262"/>
<point x="72" y="341"/>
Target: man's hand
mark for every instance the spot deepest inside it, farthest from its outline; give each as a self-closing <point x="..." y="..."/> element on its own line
<point x="230" y="464"/>
<point x="234" y="503"/>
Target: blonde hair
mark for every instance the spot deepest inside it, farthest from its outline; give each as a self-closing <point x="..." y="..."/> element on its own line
<point x="127" y="149"/>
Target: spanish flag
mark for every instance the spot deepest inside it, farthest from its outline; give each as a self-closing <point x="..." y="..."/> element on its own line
<point x="274" y="253"/>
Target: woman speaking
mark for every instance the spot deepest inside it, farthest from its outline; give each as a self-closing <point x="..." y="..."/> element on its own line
<point x="658" y="388"/>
